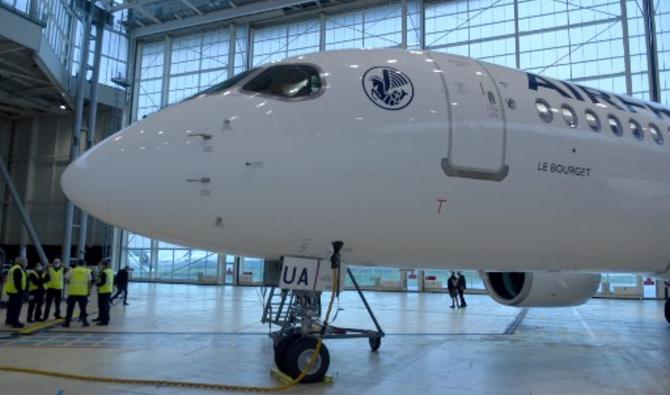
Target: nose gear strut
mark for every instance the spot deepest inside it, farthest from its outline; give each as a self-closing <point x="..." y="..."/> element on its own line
<point x="297" y="313"/>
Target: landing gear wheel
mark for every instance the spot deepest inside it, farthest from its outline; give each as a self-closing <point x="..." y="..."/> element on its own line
<point x="667" y="310"/>
<point x="297" y="356"/>
<point x="375" y="343"/>
<point x="280" y="349"/>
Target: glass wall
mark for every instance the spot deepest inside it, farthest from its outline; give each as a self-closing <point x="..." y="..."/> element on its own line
<point x="151" y="78"/>
<point x="279" y="42"/>
<point x="663" y="44"/>
<point x="157" y="260"/>
<point x="174" y="68"/>
<point x="479" y="29"/>
<point x="582" y="41"/>
<point x="138" y="256"/>
<point x="18" y="5"/>
<point x="58" y="22"/>
<point x="372" y="28"/>
<point x="114" y="55"/>
<point x="198" y="61"/>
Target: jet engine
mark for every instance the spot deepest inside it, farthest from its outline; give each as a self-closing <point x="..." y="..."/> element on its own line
<point x="540" y="289"/>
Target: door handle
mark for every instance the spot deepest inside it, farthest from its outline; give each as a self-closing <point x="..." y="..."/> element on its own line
<point x="204" y="136"/>
<point x="203" y="180"/>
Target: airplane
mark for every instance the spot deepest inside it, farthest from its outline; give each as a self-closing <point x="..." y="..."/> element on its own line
<point x="412" y="159"/>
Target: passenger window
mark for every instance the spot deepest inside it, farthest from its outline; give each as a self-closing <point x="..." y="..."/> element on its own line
<point x="569" y="116"/>
<point x="656" y="134"/>
<point x="636" y="129"/>
<point x="287" y="81"/>
<point x="544" y="110"/>
<point x="593" y="121"/>
<point x="615" y="125"/>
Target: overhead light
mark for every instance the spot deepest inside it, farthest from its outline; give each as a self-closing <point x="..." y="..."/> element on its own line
<point x="62" y="107"/>
<point x="353" y="66"/>
<point x="392" y="61"/>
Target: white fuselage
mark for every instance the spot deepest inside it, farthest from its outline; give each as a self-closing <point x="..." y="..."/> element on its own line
<point x="460" y="177"/>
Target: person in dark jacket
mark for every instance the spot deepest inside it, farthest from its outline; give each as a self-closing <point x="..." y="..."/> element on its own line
<point x="121" y="282"/>
<point x="461" y="285"/>
<point x="36" y="282"/>
<point x="452" y="286"/>
<point x="16" y="283"/>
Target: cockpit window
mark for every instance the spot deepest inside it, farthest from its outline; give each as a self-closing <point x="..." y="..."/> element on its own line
<point x="229" y="83"/>
<point x="287" y="81"/>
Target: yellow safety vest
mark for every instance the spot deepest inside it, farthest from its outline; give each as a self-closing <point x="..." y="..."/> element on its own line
<point x="39" y="275"/>
<point x="80" y="278"/>
<point x="107" y="287"/>
<point x="9" y="282"/>
<point x="55" y="278"/>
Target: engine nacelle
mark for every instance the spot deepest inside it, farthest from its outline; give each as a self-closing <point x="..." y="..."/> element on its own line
<point x="540" y="289"/>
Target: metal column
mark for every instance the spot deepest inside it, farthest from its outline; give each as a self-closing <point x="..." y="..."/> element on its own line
<point x="22" y="212"/>
<point x="652" y="53"/>
<point x="90" y="135"/>
<point x="76" y="133"/>
<point x="626" y="47"/>
<point x="403" y="39"/>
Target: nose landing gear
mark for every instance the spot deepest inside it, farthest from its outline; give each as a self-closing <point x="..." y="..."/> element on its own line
<point x="667" y="310"/>
<point x="298" y="314"/>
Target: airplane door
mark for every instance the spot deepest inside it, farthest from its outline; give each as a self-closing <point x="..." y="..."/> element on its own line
<point x="477" y="129"/>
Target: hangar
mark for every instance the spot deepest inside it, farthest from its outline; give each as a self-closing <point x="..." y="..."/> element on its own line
<point x="207" y="309"/>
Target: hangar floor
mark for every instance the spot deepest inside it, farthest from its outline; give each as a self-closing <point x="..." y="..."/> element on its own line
<point x="213" y="334"/>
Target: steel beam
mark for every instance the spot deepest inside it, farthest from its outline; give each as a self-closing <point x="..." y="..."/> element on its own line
<point x="90" y="135"/>
<point x="25" y="218"/>
<point x="76" y="133"/>
<point x="652" y="51"/>
<point x="216" y="16"/>
<point x="190" y="5"/>
<point x="403" y="29"/>
<point x="626" y="47"/>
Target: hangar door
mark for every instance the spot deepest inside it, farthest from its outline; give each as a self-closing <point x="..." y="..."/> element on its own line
<point x="477" y="129"/>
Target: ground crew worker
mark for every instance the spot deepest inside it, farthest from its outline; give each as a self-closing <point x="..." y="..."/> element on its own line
<point x="80" y="282"/>
<point x="15" y="287"/>
<point x="2" y="278"/>
<point x="36" y="280"/>
<point x="54" y="287"/>
<point x="105" y="285"/>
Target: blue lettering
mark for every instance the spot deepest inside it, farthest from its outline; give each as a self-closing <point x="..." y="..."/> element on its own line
<point x="535" y="81"/>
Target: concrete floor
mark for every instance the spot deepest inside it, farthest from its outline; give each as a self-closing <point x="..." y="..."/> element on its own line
<point x="213" y="334"/>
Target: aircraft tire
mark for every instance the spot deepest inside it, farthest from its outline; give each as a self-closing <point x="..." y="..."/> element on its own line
<point x="375" y="343"/>
<point x="280" y="349"/>
<point x="298" y="354"/>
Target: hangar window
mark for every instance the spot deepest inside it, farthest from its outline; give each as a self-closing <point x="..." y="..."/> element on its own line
<point x="615" y="125"/>
<point x="287" y="81"/>
<point x="656" y="134"/>
<point x="593" y="121"/>
<point x="569" y="116"/>
<point x="636" y="129"/>
<point x="544" y="110"/>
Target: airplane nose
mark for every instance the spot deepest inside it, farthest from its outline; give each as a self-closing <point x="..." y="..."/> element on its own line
<point x="86" y="182"/>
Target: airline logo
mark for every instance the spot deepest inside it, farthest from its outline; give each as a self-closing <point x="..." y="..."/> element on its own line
<point x="388" y="88"/>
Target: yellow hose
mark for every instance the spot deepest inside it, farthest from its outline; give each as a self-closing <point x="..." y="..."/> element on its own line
<point x="190" y="384"/>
